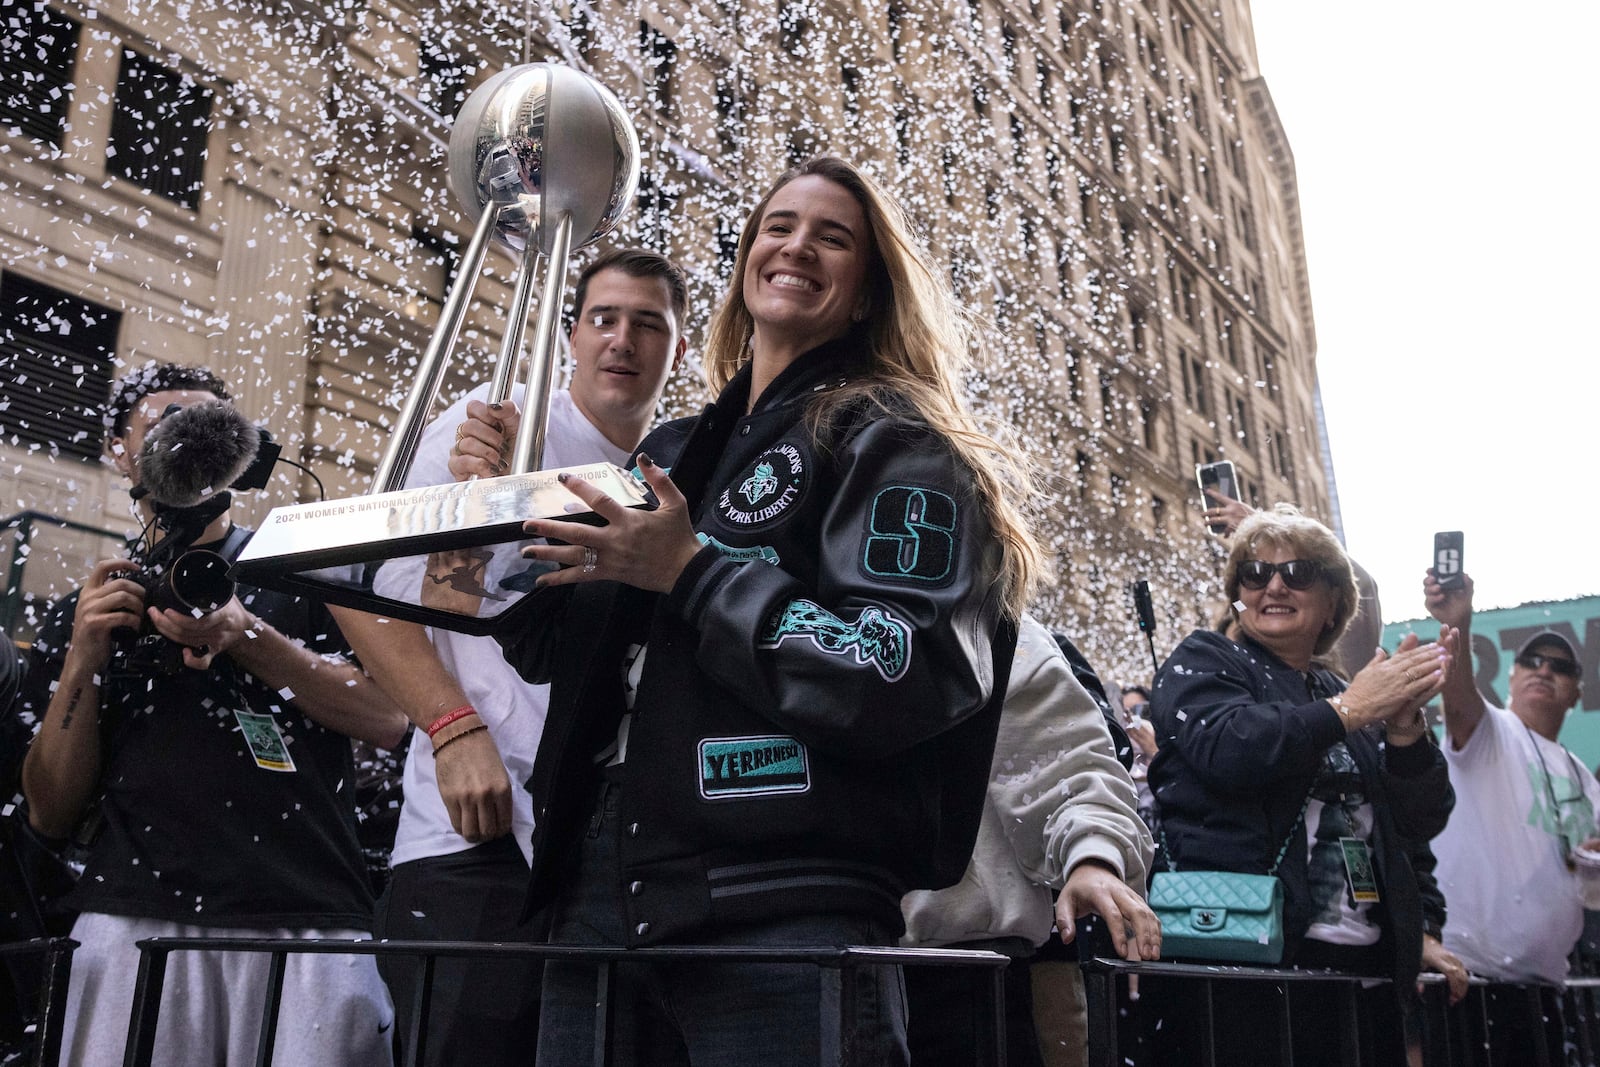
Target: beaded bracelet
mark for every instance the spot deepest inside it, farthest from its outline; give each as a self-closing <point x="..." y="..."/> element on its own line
<point x="1418" y="727"/>
<point x="457" y="737"/>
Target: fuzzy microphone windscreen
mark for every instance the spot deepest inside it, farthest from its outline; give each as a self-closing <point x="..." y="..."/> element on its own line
<point x="196" y="452"/>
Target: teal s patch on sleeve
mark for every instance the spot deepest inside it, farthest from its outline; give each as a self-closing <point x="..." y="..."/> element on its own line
<point x="911" y="536"/>
<point x="752" y="766"/>
<point x="876" y="637"/>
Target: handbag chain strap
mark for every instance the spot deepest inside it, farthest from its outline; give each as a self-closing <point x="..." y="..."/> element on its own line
<point x="1283" y="849"/>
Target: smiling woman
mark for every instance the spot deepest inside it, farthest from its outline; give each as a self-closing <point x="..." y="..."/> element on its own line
<point x="774" y="697"/>
<point x="1270" y="764"/>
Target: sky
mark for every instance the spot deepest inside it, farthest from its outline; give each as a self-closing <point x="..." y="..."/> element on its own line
<point x="1446" y="155"/>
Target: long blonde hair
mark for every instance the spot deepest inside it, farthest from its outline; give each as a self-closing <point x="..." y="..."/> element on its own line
<point x="920" y="343"/>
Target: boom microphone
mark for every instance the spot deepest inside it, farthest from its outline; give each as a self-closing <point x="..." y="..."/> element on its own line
<point x="196" y="452"/>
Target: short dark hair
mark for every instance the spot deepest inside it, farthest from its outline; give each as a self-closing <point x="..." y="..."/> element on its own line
<point x="1141" y="690"/>
<point x="155" y="377"/>
<point x="638" y="263"/>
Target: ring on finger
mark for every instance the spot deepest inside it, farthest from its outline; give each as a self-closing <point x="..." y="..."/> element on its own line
<point x="591" y="560"/>
<point x="461" y="431"/>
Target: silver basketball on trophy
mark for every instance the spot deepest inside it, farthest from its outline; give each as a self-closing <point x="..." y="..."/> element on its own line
<point x="541" y="141"/>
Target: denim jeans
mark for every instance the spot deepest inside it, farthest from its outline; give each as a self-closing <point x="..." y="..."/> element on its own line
<point x="707" y="1014"/>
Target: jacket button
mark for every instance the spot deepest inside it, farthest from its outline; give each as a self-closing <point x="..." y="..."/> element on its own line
<point x="641" y="930"/>
<point x="635" y="888"/>
<point x="633" y="829"/>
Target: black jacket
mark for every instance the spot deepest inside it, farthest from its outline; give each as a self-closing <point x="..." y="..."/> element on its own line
<point x="813" y="725"/>
<point x="1242" y="738"/>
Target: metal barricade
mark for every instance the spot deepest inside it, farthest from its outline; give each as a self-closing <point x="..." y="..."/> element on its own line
<point x="839" y="967"/>
<point x="51" y="1002"/>
<point x="1444" y="1036"/>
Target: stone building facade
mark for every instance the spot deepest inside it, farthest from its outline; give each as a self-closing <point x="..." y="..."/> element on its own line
<point x="258" y="185"/>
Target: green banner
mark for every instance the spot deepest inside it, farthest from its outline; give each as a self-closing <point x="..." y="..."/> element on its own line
<point x="1497" y="634"/>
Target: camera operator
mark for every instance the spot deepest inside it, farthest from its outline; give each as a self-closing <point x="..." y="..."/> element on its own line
<point x="221" y="775"/>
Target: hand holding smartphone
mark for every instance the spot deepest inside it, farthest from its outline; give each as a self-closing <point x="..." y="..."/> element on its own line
<point x="1221" y="477"/>
<point x="1447" y="565"/>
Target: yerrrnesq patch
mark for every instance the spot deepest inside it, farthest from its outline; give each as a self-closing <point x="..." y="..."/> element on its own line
<point x="752" y="766"/>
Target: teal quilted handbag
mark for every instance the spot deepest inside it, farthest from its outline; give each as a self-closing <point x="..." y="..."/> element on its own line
<point x="1222" y="915"/>
<point x="1219" y="915"/>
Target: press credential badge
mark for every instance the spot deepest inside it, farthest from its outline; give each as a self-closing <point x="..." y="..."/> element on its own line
<point x="266" y="742"/>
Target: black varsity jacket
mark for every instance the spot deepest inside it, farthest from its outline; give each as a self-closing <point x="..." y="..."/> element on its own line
<point x="816" y="713"/>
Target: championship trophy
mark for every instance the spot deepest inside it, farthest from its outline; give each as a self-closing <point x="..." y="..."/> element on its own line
<point x="545" y="159"/>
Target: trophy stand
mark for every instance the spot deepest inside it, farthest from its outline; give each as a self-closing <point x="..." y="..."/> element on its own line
<point x="539" y="153"/>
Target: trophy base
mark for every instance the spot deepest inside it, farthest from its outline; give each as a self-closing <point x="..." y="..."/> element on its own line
<point x="444" y="555"/>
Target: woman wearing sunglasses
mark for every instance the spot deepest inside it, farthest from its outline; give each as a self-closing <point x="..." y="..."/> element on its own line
<point x="1272" y="763"/>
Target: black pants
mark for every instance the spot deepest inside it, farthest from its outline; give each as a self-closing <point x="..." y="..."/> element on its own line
<point x="484" y="1012"/>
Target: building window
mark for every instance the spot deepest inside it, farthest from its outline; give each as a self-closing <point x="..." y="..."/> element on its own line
<point x="1052" y="170"/>
<point x="1196" y="389"/>
<point x="1019" y="143"/>
<point x="660" y="58"/>
<point x="444" y="80"/>
<point x="1008" y="54"/>
<point x="656" y="211"/>
<point x="850" y="81"/>
<point x="793" y="27"/>
<point x="56" y="353"/>
<point x="438" y="258"/>
<point x="1081" y="461"/>
<point x="1138" y="328"/>
<point x="37" y="52"/>
<point x="1047" y="88"/>
<point x="580" y="28"/>
<point x="730" y="117"/>
<point x="1119" y="493"/>
<point x="1147" y="423"/>
<point x="1240" y="417"/>
<point x="159" y="125"/>
<point x="1285" y="457"/>
<point x="896" y="16"/>
<point x="902" y="135"/>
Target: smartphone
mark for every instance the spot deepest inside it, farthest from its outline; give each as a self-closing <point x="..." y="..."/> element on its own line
<point x="1221" y="477"/>
<point x="1447" y="559"/>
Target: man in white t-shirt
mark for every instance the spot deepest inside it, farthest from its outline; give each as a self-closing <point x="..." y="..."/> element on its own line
<point x="460" y="860"/>
<point x="1523" y="805"/>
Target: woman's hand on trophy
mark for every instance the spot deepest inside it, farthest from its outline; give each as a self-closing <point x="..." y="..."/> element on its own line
<point x="647" y="549"/>
<point x="484" y="441"/>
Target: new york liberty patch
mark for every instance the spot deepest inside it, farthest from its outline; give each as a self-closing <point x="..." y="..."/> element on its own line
<point x="752" y="766"/>
<point x="764" y="490"/>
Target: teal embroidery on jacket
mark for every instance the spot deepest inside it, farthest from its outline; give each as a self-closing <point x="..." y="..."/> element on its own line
<point x="876" y="637"/>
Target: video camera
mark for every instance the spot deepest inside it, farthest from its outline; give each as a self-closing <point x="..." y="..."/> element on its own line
<point x="186" y="454"/>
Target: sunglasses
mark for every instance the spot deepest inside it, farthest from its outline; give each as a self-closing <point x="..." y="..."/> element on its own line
<point x="1559" y="664"/>
<point x="1296" y="573"/>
